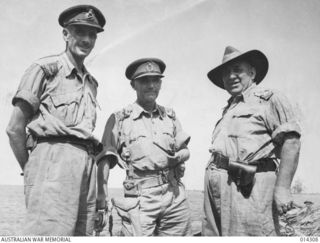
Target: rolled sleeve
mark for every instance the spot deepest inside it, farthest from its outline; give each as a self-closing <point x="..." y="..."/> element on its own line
<point x="109" y="141"/>
<point x="30" y="87"/>
<point x="286" y="128"/>
<point x="281" y="118"/>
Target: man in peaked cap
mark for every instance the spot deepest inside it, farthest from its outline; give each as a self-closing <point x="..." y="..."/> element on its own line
<point x="83" y="15"/>
<point x="147" y="140"/>
<point x="254" y="152"/>
<point x="56" y="102"/>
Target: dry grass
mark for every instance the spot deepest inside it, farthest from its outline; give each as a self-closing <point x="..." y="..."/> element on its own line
<point x="303" y="220"/>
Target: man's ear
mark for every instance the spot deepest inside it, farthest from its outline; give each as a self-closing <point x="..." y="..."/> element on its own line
<point x="253" y="73"/>
<point x="132" y="84"/>
<point x="65" y="34"/>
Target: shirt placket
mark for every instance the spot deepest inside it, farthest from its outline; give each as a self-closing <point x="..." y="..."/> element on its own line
<point x="83" y="102"/>
<point x="83" y="81"/>
<point x="154" y="132"/>
<point x="150" y="124"/>
<point x="223" y="135"/>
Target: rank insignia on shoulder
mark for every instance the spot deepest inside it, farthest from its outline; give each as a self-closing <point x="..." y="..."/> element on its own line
<point x="50" y="65"/>
<point x="264" y="94"/>
<point x="170" y="112"/>
<point x="124" y="113"/>
<point x="127" y="111"/>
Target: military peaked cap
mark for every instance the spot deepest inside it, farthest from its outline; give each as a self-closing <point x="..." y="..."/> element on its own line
<point x="145" y="67"/>
<point x="82" y="15"/>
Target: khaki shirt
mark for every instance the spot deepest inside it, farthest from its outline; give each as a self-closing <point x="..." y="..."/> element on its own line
<point x="63" y="102"/>
<point x="253" y="125"/>
<point x="146" y="137"/>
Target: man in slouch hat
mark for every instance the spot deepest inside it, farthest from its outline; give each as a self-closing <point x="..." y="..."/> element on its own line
<point x="254" y="152"/>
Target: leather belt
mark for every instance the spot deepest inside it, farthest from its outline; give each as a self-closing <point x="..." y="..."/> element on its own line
<point x="148" y="180"/>
<point x="142" y="174"/>
<point x="263" y="165"/>
<point x="86" y="144"/>
<point x="152" y="181"/>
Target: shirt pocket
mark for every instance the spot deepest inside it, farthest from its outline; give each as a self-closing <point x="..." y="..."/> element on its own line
<point x="241" y="123"/>
<point x="136" y="142"/>
<point x="244" y="113"/>
<point x="66" y="107"/>
<point x="166" y="140"/>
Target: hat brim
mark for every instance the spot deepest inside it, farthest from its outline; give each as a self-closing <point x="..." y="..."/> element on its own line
<point x="78" y="8"/>
<point x="149" y="74"/>
<point x="254" y="57"/>
<point x="97" y="27"/>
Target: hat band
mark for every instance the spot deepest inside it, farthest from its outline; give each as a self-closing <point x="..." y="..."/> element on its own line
<point x="231" y="56"/>
<point x="76" y="21"/>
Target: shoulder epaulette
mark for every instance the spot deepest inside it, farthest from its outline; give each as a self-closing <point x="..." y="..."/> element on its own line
<point x="50" y="65"/>
<point x="124" y="113"/>
<point x="264" y="94"/>
<point x="94" y="80"/>
<point x="170" y="113"/>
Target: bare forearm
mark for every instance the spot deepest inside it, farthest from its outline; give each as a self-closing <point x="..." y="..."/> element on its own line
<point x="16" y="131"/>
<point x="102" y="181"/>
<point x="289" y="158"/>
<point x="289" y="161"/>
<point x="18" y="145"/>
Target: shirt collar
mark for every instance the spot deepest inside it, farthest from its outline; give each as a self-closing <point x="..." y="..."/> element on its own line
<point x="70" y="68"/>
<point x="247" y="93"/>
<point x="244" y="95"/>
<point x="137" y="110"/>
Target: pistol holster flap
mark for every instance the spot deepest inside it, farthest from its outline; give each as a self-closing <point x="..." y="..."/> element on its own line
<point x="130" y="188"/>
<point x="243" y="174"/>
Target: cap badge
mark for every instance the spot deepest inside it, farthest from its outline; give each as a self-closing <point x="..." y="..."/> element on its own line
<point x="90" y="14"/>
<point x="149" y="67"/>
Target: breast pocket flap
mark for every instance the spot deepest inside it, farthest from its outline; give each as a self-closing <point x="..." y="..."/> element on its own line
<point x="66" y="99"/>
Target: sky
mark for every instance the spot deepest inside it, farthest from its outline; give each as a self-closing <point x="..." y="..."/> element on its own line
<point x="190" y="36"/>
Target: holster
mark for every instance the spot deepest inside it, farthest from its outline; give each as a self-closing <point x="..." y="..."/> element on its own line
<point x="243" y="175"/>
